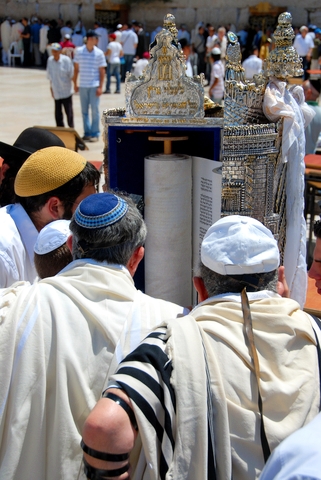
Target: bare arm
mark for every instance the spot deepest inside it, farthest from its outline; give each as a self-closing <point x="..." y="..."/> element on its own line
<point x="76" y="71"/>
<point x="109" y="430"/>
<point x="101" y="81"/>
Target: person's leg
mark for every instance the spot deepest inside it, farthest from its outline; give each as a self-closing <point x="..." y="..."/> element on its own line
<point x="58" y="113"/>
<point x="67" y="102"/>
<point x="117" y="75"/>
<point x="123" y="68"/>
<point x="94" y="104"/>
<point x="4" y="56"/>
<point x="129" y="63"/>
<point x="36" y="54"/>
<point x="108" y="78"/>
<point x="84" y="94"/>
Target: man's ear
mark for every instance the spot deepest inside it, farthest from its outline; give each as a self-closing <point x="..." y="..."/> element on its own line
<point x="69" y="243"/>
<point x="55" y="208"/>
<point x="135" y="260"/>
<point x="200" y="288"/>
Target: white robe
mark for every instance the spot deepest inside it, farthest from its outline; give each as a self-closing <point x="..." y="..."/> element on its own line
<point x="57" y="341"/>
<point x="280" y="102"/>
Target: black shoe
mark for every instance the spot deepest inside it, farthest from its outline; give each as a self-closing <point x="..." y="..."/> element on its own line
<point x="107" y="91"/>
<point x="86" y="138"/>
<point x="117" y="91"/>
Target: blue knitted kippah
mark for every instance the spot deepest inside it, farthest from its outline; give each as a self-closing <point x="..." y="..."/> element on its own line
<point x="100" y="210"/>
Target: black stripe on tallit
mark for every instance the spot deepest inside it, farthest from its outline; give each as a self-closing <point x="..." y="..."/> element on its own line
<point x="211" y="472"/>
<point x="157" y="359"/>
<point x="149" y="413"/>
<point x="157" y="390"/>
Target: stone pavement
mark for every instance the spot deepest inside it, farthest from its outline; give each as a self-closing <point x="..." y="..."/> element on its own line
<point x="25" y="101"/>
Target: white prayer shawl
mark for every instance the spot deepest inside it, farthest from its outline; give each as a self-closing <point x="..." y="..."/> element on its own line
<point x="5" y="34"/>
<point x="289" y="375"/>
<point x="281" y="102"/>
<point x="57" y="341"/>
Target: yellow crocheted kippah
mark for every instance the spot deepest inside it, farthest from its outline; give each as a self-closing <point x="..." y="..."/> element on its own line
<point x="46" y="170"/>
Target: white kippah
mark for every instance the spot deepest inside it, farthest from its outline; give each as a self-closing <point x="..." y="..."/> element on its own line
<point x="237" y="245"/>
<point x="52" y="236"/>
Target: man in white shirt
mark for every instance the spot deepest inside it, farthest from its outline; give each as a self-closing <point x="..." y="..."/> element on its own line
<point x="183" y="33"/>
<point x="129" y="41"/>
<point x="253" y="64"/>
<point x="43" y="41"/>
<point x="5" y="35"/>
<point x="216" y="90"/>
<point x="90" y="64"/>
<point x="48" y="186"/>
<point x="60" y="71"/>
<point x="303" y="44"/>
<point x="66" y="30"/>
<point x="103" y="36"/>
<point x="298" y="457"/>
<point x="113" y="54"/>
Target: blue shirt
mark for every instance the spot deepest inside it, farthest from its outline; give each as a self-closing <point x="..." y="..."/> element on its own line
<point x="35" y="28"/>
<point x="298" y="457"/>
<point x="89" y="65"/>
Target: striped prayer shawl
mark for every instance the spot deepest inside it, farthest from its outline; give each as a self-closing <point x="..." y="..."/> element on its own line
<point x="146" y="377"/>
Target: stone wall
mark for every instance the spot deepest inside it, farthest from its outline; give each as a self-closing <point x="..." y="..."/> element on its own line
<point x="217" y="12"/>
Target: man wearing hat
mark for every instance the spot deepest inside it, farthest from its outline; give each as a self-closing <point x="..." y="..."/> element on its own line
<point x="216" y="90"/>
<point x="210" y="396"/>
<point x="60" y="335"/>
<point x="29" y="141"/>
<point x="51" y="252"/>
<point x="90" y="64"/>
<point x="68" y="47"/>
<point x="48" y="186"/>
<point x="60" y="72"/>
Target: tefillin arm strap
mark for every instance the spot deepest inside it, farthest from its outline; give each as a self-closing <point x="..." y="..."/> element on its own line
<point x="253" y="352"/>
<point x="93" y="473"/>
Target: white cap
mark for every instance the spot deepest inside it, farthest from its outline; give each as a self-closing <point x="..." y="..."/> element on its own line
<point x="119" y="26"/>
<point x="237" y="245"/>
<point x="52" y="236"/>
<point x="216" y="51"/>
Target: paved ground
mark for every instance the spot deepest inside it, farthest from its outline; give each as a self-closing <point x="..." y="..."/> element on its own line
<point x="25" y="101"/>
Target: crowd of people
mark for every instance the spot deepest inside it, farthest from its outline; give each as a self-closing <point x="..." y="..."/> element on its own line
<point x="208" y="393"/>
<point x="100" y="379"/>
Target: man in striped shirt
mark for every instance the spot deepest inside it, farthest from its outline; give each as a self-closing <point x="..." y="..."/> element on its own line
<point x="209" y="396"/>
<point x="90" y="64"/>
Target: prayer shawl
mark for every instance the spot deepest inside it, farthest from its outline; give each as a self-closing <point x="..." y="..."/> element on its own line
<point x="281" y="102"/>
<point x="57" y="340"/>
<point x="224" y="399"/>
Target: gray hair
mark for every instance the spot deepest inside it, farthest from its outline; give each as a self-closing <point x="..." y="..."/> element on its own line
<point x="115" y="243"/>
<point x="217" y="284"/>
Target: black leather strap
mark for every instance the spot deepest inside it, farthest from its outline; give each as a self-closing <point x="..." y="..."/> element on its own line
<point x="124" y="405"/>
<point x="93" y="473"/>
<point x="109" y="457"/>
